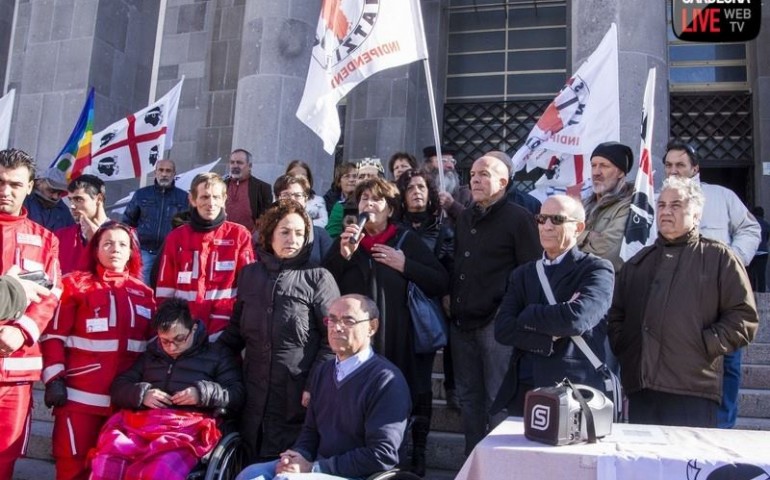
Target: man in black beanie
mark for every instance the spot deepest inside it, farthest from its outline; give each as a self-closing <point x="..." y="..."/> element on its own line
<point x="607" y="208"/>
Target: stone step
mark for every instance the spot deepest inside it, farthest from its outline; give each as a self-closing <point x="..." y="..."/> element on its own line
<point x="755" y="376"/>
<point x="445" y="419"/>
<point x="40" y="441"/>
<point x="445" y="451"/>
<point x="754" y="403"/>
<point x="39" y="410"/>
<point x="34" y="469"/>
<point x="750" y="423"/>
<point x="757" y="354"/>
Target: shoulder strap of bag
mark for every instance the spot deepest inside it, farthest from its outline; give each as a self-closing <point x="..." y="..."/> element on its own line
<point x="587" y="413"/>
<point x="579" y="341"/>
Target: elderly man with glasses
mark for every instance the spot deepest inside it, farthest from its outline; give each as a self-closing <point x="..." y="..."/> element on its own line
<point x="358" y="409"/>
<point x="540" y="331"/>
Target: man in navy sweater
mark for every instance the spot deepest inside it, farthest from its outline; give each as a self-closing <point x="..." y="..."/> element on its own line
<point x="359" y="405"/>
<point x="582" y="285"/>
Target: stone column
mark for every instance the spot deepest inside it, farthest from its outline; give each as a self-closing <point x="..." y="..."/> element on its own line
<point x="275" y="53"/>
<point x="758" y="52"/>
<point x="642" y="44"/>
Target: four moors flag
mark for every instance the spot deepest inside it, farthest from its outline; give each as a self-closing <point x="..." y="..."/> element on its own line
<point x="585" y="113"/>
<point x="129" y="148"/>
<point x="640" y="225"/>
<point x="354" y="40"/>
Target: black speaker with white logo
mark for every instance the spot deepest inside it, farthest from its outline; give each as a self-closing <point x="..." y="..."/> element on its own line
<point x="560" y="416"/>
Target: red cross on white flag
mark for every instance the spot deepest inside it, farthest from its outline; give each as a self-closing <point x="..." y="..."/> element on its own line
<point x="130" y="147"/>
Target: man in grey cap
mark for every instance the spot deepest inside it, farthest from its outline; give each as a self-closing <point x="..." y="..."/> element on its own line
<point x="607" y="208"/>
<point x="45" y="206"/>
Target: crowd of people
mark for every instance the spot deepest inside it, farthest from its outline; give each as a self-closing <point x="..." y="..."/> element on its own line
<point x="287" y="312"/>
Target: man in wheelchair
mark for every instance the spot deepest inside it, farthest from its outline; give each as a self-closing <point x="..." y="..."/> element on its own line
<point x="359" y="406"/>
<point x="168" y="398"/>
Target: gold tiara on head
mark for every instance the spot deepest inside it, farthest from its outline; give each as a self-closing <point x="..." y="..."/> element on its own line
<point x="370" y="162"/>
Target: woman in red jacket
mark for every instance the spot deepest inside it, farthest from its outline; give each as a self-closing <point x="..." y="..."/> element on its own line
<point x="101" y="327"/>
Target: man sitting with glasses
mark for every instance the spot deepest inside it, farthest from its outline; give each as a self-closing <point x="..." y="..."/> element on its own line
<point x="540" y="332"/>
<point x="358" y="409"/>
<point x="169" y="397"/>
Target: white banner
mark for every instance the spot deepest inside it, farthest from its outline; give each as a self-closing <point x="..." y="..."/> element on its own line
<point x="354" y="40"/>
<point x="6" y="112"/>
<point x="585" y="113"/>
<point x="129" y="148"/>
<point x="641" y="229"/>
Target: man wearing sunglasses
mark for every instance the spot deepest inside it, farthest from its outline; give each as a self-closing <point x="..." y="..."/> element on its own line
<point x="540" y="333"/>
<point x="358" y="409"/>
<point x="725" y="218"/>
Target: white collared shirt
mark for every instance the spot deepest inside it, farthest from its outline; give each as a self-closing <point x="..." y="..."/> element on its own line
<point x="351" y="364"/>
<point x="556" y="260"/>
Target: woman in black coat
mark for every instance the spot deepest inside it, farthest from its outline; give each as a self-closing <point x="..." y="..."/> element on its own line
<point x="278" y="318"/>
<point x="371" y="265"/>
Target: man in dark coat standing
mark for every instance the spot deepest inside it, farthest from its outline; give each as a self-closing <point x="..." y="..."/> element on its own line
<point x="540" y="332"/>
<point x="247" y="196"/>
<point x="493" y="237"/>
<point x="679" y="306"/>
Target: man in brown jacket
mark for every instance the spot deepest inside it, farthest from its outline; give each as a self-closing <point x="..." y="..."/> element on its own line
<point x="679" y="306"/>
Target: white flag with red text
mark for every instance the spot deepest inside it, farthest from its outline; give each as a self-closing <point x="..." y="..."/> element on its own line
<point x="130" y="147"/>
<point x="6" y="112"/>
<point x="585" y="113"/>
<point x="354" y="40"/>
<point x="640" y="225"/>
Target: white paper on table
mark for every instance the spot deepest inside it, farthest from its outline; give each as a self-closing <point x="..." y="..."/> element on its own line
<point x="632" y="433"/>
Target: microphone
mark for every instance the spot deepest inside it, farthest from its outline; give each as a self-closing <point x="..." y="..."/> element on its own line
<point x="362" y="219"/>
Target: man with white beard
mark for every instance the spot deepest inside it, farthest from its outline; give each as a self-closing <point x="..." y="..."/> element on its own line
<point x="454" y="198"/>
<point x="150" y="212"/>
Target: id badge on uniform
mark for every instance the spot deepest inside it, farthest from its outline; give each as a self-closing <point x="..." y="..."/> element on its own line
<point x="184" y="278"/>
<point x="143" y="311"/>
<point x="227" y="266"/>
<point x="96" y="325"/>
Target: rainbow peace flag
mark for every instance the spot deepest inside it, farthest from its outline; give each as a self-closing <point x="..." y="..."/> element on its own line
<point x="76" y="154"/>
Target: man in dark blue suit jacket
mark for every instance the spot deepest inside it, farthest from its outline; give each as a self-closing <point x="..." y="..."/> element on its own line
<point x="540" y="333"/>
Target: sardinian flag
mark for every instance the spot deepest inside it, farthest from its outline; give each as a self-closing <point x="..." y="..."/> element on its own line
<point x="354" y="40"/>
<point x="129" y="148"/>
<point x="640" y="225"/>
<point x="585" y="113"/>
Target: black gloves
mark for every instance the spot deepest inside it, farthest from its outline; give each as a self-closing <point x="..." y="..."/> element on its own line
<point x="55" y="393"/>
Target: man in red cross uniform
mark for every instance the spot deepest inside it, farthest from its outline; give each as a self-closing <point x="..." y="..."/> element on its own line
<point x="32" y="248"/>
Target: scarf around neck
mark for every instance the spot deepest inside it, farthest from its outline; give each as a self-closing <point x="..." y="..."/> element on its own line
<point x="198" y="224"/>
<point x="371" y="240"/>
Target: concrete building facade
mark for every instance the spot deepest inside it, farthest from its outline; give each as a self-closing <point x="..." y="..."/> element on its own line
<point x="244" y="63"/>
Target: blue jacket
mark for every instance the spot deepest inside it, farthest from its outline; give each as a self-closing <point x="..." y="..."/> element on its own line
<point x="54" y="218"/>
<point x="150" y="212"/>
<point x="582" y="284"/>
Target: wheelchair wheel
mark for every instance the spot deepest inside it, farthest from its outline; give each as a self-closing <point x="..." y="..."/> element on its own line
<point x="394" y="474"/>
<point x="226" y="459"/>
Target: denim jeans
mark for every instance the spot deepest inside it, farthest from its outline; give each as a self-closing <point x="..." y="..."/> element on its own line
<point x="480" y="364"/>
<point x="731" y="383"/>
<point x="148" y="260"/>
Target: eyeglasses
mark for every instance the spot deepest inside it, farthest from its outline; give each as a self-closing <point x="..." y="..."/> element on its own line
<point x="346" y="321"/>
<point x="177" y="341"/>
<point x="556" y="220"/>
<point x="290" y="196"/>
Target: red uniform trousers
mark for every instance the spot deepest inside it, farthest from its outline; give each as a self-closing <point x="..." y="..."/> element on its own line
<point x="15" y="403"/>
<point x="74" y="434"/>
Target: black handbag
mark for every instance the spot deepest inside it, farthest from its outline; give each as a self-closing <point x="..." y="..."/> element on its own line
<point x="428" y="322"/>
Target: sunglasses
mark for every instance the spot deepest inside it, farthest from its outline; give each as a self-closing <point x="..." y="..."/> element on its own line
<point x="557" y="219"/>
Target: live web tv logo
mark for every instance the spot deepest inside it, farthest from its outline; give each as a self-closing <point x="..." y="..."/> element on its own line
<point x="716" y="21"/>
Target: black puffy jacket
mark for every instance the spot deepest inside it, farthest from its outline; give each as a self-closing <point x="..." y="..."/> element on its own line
<point x="209" y="368"/>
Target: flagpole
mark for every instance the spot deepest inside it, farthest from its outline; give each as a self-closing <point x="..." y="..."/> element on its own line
<point x="431" y="100"/>
<point x="155" y="65"/>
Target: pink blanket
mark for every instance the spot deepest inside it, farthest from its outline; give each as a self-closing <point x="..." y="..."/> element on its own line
<point x="148" y="444"/>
